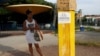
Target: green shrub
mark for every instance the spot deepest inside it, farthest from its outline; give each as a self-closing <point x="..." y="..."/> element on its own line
<point x="90" y="29"/>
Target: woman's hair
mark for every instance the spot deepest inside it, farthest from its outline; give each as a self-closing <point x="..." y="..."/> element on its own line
<point x="28" y="12"/>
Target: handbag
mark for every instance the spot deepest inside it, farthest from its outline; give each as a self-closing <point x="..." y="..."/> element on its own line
<point x="37" y="36"/>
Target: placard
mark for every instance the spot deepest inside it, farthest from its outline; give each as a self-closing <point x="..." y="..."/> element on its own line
<point x="64" y="17"/>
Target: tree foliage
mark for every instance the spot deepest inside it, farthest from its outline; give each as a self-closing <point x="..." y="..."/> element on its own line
<point x="4" y="11"/>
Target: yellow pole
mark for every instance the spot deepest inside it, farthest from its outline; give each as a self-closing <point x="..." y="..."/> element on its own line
<point x="66" y="28"/>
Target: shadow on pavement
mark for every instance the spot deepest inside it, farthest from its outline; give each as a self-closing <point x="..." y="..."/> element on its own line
<point x="9" y="51"/>
<point x="50" y="50"/>
<point x="4" y="35"/>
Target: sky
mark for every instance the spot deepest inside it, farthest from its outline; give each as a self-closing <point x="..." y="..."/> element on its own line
<point x="88" y="7"/>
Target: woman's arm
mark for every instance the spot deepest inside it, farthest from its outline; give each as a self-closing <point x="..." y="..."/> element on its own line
<point x="24" y="26"/>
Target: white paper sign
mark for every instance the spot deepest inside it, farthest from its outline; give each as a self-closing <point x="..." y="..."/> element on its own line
<point x="64" y="17"/>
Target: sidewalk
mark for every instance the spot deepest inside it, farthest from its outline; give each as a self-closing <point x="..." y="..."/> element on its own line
<point x="17" y="46"/>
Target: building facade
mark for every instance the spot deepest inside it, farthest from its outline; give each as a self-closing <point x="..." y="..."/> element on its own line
<point x="93" y="19"/>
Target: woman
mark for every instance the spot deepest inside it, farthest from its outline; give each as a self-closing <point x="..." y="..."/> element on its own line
<point x="29" y="26"/>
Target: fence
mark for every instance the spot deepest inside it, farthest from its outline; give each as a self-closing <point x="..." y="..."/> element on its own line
<point x="14" y="27"/>
<point x="7" y="27"/>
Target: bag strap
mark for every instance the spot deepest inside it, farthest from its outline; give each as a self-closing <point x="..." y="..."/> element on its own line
<point x="36" y="25"/>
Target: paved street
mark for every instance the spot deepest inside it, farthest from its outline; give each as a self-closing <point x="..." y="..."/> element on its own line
<point x="88" y="37"/>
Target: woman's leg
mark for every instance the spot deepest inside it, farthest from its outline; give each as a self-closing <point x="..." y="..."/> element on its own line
<point x="38" y="49"/>
<point x="30" y="49"/>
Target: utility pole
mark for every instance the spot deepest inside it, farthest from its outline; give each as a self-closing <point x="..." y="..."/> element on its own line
<point x="55" y="16"/>
<point x="80" y="16"/>
<point x="66" y="27"/>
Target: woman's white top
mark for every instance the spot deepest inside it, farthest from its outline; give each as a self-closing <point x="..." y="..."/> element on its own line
<point x="29" y="33"/>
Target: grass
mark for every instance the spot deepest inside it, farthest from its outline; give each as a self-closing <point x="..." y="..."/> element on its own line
<point x="77" y="27"/>
<point x="97" y="30"/>
<point x="88" y="44"/>
<point x="88" y="29"/>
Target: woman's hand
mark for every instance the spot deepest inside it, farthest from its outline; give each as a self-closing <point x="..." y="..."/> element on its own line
<point x="41" y="35"/>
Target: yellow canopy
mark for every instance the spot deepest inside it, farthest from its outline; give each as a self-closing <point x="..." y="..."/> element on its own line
<point x="35" y="8"/>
